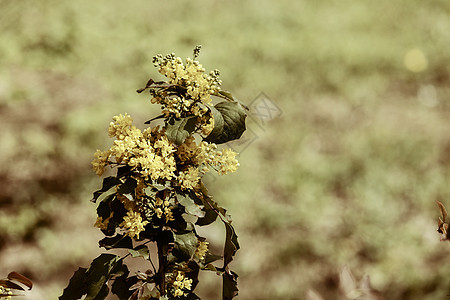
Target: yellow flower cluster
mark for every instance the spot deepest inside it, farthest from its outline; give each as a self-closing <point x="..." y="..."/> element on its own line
<point x="191" y="76"/>
<point x="148" y="152"/>
<point x="181" y="283"/>
<point x="133" y="223"/>
<point x="163" y="208"/>
<point x="189" y="179"/>
<point x="201" y="250"/>
<point x="5" y="291"/>
<point x="205" y="155"/>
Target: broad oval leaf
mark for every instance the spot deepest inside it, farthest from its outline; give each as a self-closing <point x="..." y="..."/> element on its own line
<point x="229" y="122"/>
<point x="178" y="130"/>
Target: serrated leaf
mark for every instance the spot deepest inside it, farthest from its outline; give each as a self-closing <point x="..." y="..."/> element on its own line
<point x="230" y="289"/>
<point x="118" y="241"/>
<point x="178" y="130"/>
<point x="211" y="208"/>
<point x="231" y="244"/>
<point x="229" y="122"/>
<point x="108" y="183"/>
<point x="185" y="246"/>
<point x="190" y="206"/>
<point x="77" y="286"/>
<point x="140" y="251"/>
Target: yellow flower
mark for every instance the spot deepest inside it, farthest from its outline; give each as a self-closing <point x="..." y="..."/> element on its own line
<point x="201" y="250"/>
<point x="100" y="161"/>
<point x="119" y="127"/>
<point x="181" y="283"/>
<point x="133" y="222"/>
<point x="189" y="179"/>
<point x="5" y="291"/>
<point x="227" y="161"/>
<point x="163" y="208"/>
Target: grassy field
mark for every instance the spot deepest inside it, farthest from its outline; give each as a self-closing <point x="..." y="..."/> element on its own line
<point x="347" y="173"/>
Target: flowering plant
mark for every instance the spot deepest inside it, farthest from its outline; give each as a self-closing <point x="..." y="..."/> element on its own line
<point x="158" y="196"/>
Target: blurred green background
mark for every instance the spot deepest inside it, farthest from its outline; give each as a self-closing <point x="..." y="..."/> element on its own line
<point x="346" y="174"/>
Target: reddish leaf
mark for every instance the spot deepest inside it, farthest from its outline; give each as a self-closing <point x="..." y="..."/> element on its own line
<point x="20" y="278"/>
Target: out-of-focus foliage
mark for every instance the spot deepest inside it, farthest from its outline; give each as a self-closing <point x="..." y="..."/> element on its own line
<point x="348" y="174"/>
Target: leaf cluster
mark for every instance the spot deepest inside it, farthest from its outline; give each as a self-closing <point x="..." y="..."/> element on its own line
<point x="163" y="212"/>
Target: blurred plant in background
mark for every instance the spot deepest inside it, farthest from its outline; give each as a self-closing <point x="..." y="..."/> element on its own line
<point x="347" y="175"/>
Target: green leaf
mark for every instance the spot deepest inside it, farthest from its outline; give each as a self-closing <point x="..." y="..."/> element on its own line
<point x="230" y="289"/>
<point x="219" y="123"/>
<point x="128" y="186"/>
<point x="101" y="270"/>
<point x="118" y="241"/>
<point x="108" y="183"/>
<point x="190" y="206"/>
<point x="122" y="284"/>
<point x="123" y="171"/>
<point x="140" y="251"/>
<point x="231" y="245"/>
<point x="229" y="122"/>
<point x="178" y="130"/>
<point x="211" y="208"/>
<point x="185" y="246"/>
<point x="103" y="209"/>
<point x="209" y="258"/>
<point x="227" y="95"/>
<point x="77" y="286"/>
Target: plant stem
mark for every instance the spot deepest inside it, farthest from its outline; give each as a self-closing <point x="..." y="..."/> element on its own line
<point x="162" y="259"/>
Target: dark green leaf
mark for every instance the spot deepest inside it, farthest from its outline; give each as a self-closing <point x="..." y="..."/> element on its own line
<point x="108" y="183"/>
<point x="121" y="285"/>
<point x="190" y="206"/>
<point x="118" y="241"/>
<point x="231" y="244"/>
<point x="185" y="246"/>
<point x="77" y="286"/>
<point x="211" y="207"/>
<point x="128" y="186"/>
<point x="122" y="171"/>
<point x="230" y="289"/>
<point x="233" y="116"/>
<point x="210" y="217"/>
<point x="140" y="251"/>
<point x="101" y="270"/>
<point x="226" y="95"/>
<point x="103" y="209"/>
<point x="209" y="257"/>
<point x="155" y="118"/>
<point x="178" y="130"/>
<point x="219" y="123"/>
